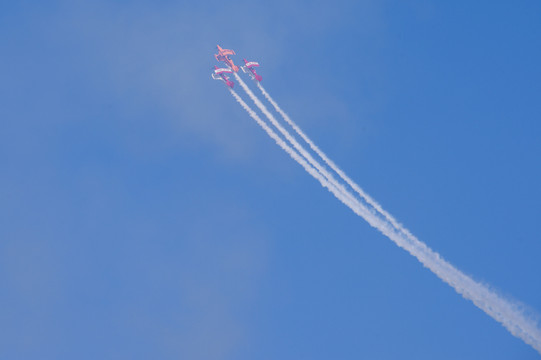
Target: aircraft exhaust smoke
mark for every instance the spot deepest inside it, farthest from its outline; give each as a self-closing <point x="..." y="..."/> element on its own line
<point x="324" y="182"/>
<point x="509" y="314"/>
<point x="293" y="141"/>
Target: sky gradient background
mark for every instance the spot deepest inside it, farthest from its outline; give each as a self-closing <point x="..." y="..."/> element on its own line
<point x="143" y="214"/>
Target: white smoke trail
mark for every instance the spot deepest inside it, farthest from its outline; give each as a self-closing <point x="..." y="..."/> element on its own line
<point x="508" y="314"/>
<point x="331" y="187"/>
<point x="331" y="164"/>
<point x="293" y="141"/>
<point x="354" y="205"/>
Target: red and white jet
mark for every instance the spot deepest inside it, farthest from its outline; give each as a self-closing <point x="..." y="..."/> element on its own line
<point x="220" y="74"/>
<point x="249" y="68"/>
<point x="223" y="55"/>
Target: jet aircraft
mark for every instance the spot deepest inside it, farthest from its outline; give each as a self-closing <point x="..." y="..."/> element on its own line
<point x="223" y="55"/>
<point x="249" y="69"/>
<point x="220" y="74"/>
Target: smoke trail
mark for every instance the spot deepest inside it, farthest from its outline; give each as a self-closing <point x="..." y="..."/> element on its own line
<point x="293" y="141"/>
<point x="330" y="163"/>
<point x="354" y="205"/>
<point x="508" y="314"/>
<point x="331" y="187"/>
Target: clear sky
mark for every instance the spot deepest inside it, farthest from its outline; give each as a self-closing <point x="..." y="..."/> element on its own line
<point x="143" y="214"/>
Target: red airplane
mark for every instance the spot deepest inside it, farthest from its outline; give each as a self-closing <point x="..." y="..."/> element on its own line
<point x="220" y="74"/>
<point x="250" y="67"/>
<point x="223" y="55"/>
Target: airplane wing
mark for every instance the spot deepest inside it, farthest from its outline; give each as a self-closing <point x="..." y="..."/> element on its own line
<point x="222" y="70"/>
<point x="227" y="52"/>
<point x="251" y="64"/>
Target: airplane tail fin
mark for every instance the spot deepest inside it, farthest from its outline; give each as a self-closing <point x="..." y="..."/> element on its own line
<point x="258" y="77"/>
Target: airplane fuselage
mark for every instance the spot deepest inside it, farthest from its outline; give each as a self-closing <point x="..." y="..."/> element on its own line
<point x="223" y="55"/>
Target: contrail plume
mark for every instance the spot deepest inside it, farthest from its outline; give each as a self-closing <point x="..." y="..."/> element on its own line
<point x="293" y="141"/>
<point x="330" y="163"/>
<point x="298" y="158"/>
<point x="354" y="205"/>
<point x="509" y="314"/>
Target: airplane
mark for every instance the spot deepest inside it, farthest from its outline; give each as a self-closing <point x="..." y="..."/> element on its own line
<point x="250" y="67"/>
<point x="219" y="74"/>
<point x="223" y="55"/>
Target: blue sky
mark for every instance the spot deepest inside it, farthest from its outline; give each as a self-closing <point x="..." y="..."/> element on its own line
<point x="145" y="215"/>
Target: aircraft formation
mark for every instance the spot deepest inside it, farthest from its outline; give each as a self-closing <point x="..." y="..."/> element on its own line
<point x="220" y="73"/>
